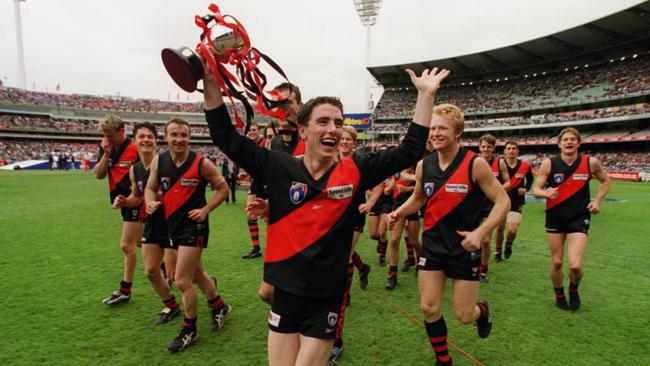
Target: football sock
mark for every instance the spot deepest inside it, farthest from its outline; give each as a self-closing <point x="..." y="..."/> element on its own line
<point x="437" y="333"/>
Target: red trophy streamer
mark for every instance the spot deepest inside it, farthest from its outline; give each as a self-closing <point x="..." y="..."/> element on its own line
<point x="232" y="49"/>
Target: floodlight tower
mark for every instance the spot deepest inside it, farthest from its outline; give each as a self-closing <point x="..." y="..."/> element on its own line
<point x="368" y="11"/>
<point x="19" y="45"/>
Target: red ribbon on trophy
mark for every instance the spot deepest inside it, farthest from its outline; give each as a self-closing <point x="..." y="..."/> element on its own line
<point x="232" y="49"/>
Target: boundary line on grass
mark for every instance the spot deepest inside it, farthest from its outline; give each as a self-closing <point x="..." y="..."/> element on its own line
<point x="419" y="322"/>
<point x="590" y="250"/>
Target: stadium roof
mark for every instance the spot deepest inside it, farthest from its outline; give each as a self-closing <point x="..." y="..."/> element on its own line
<point x="619" y="34"/>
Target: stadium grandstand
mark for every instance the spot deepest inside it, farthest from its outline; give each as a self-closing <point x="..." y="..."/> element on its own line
<point x="595" y="77"/>
<point x="37" y="125"/>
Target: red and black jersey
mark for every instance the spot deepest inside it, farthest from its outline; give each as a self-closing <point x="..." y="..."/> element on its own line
<point x="454" y="203"/>
<point x="295" y="147"/>
<point x="141" y="176"/>
<point x="261" y="142"/>
<point x="183" y="189"/>
<point x="521" y="176"/>
<point x="119" y="164"/>
<point x="572" y="182"/>
<point x="311" y="222"/>
<point x="495" y="166"/>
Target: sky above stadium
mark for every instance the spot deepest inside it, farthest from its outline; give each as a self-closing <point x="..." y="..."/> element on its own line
<point x="110" y="48"/>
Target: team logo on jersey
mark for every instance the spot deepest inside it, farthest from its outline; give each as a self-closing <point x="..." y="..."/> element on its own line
<point x="332" y="318"/>
<point x="186" y="182"/>
<point x="141" y="186"/>
<point x="297" y="192"/>
<point x="580" y="176"/>
<point x="558" y="178"/>
<point x="165" y="182"/>
<point x="124" y="163"/>
<point x="340" y="192"/>
<point x="519" y="175"/>
<point x="456" y="188"/>
<point x="274" y="319"/>
<point x="428" y="189"/>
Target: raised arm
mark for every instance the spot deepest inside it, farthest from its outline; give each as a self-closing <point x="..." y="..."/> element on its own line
<point x="408" y="153"/>
<point x="597" y="170"/>
<point x="238" y="148"/>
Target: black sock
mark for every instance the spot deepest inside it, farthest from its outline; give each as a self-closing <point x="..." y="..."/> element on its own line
<point x="125" y="287"/>
<point x="559" y="292"/>
<point x="189" y="323"/>
<point x="392" y="271"/>
<point x="573" y="288"/>
<point x="437" y="333"/>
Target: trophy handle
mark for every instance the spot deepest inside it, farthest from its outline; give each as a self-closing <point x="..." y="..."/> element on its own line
<point x="184" y="66"/>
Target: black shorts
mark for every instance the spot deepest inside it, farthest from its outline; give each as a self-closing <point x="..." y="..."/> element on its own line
<point x="401" y="198"/>
<point x="155" y="230"/>
<point x="383" y="206"/>
<point x="130" y="214"/>
<point x="516" y="208"/>
<point x="193" y="234"/>
<point x="577" y="225"/>
<point x="317" y="318"/>
<point x="359" y="223"/>
<point x="486" y="209"/>
<point x="468" y="271"/>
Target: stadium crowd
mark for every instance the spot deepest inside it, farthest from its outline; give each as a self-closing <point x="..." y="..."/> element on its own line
<point x="20" y="150"/>
<point x="609" y="80"/>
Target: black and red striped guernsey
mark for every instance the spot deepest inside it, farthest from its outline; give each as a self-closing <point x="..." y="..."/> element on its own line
<point x="183" y="189"/>
<point x="454" y="203"/>
<point x="521" y="176"/>
<point x="311" y="221"/>
<point x="572" y="183"/>
<point x="119" y="164"/>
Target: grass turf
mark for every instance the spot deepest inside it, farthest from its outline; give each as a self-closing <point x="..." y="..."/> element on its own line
<point x="59" y="239"/>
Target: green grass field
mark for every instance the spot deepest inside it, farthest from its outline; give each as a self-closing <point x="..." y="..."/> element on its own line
<point x="60" y="258"/>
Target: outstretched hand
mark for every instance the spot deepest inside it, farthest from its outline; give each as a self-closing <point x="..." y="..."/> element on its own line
<point x="429" y="81"/>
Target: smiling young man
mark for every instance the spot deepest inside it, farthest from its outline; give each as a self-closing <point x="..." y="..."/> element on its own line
<point x="453" y="184"/>
<point x="182" y="176"/>
<point x="347" y="148"/>
<point x="155" y="241"/>
<point x="521" y="179"/>
<point x="313" y="201"/>
<point x="563" y="181"/>
<point x="116" y="156"/>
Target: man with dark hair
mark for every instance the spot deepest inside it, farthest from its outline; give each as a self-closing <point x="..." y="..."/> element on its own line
<point x="312" y="204"/>
<point x="182" y="176"/>
<point x="521" y="179"/>
<point x="116" y="156"/>
<point x="155" y="241"/>
<point x="563" y="181"/>
<point x="487" y="145"/>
